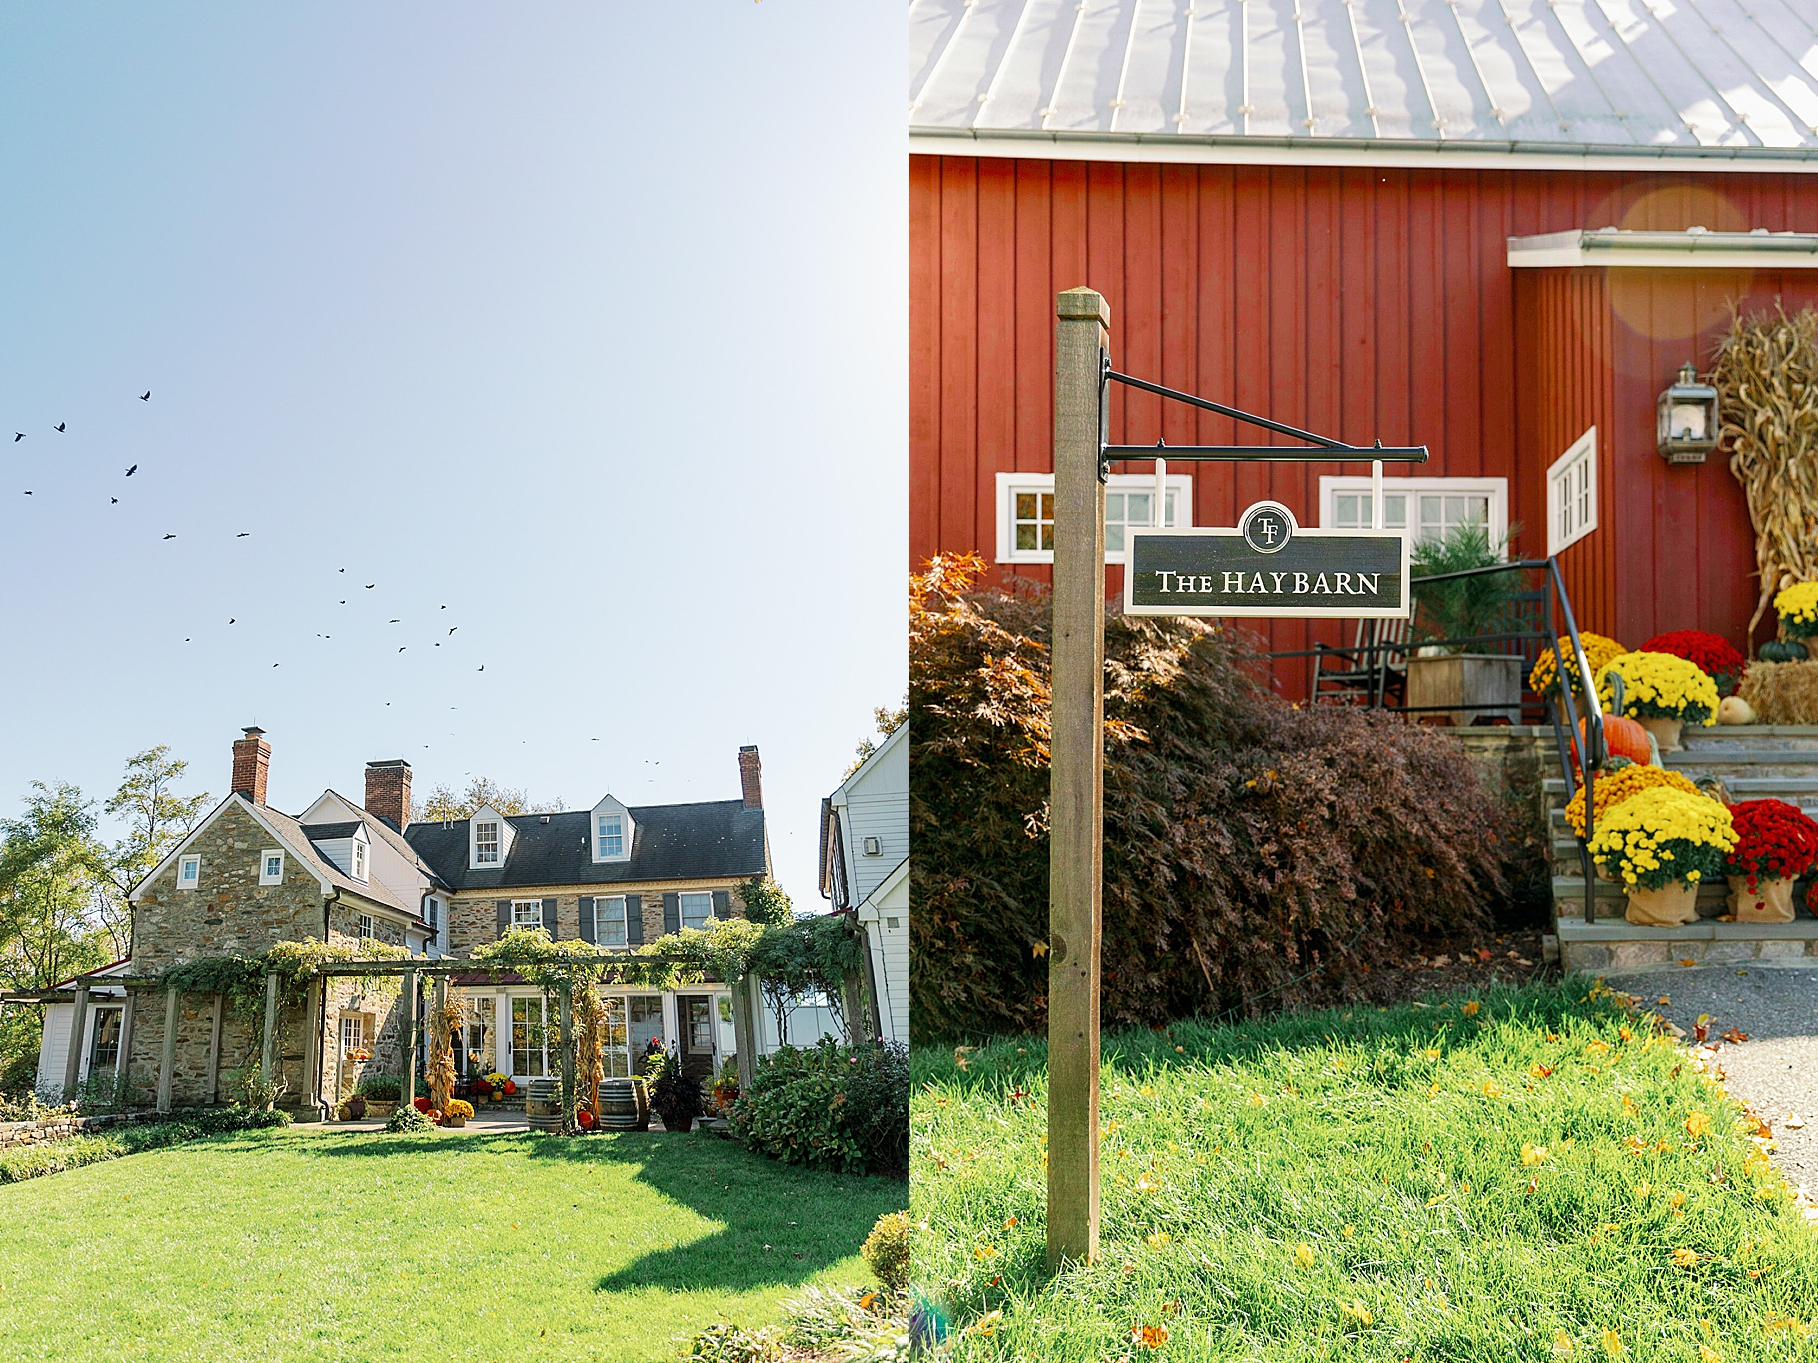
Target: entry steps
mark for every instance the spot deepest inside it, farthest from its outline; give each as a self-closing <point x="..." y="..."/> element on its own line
<point x="1757" y="761"/>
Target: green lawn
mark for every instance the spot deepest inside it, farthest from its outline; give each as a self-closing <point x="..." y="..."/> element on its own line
<point x="320" y="1244"/>
<point x="1420" y="1183"/>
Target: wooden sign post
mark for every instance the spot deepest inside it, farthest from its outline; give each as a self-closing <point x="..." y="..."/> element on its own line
<point x="1076" y="792"/>
<point x="1264" y="566"/>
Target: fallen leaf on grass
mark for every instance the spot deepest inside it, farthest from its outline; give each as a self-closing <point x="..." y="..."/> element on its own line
<point x="1470" y="1009"/>
<point x="1701" y="1028"/>
<point x="1358" y="1311"/>
<point x="1150" y="1336"/>
<point x="1697" y="1124"/>
<point x="1612" y="1344"/>
<point x="1303" y="1255"/>
<point x="1540" y="1071"/>
<point x="1684" y="1258"/>
<point x="1562" y="1344"/>
<point x="1533" y="1154"/>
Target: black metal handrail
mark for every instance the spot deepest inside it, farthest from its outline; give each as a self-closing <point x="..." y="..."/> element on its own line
<point x="1588" y="740"/>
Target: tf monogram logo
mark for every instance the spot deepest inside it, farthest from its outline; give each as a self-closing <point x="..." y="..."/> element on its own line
<point x="1267" y="527"/>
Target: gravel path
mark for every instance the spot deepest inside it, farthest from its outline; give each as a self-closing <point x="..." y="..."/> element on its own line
<point x="1776" y="1069"/>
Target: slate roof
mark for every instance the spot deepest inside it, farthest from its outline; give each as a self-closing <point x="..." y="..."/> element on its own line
<point x="719" y="838"/>
<point x="328" y="832"/>
<point x="1700" y="78"/>
<point x="298" y="839"/>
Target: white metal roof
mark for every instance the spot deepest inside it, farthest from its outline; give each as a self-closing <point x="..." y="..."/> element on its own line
<point x="1725" y="81"/>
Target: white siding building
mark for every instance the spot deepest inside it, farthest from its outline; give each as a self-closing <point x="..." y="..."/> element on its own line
<point x="865" y="870"/>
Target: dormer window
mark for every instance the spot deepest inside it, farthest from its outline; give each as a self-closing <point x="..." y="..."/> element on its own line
<point x="613" y="831"/>
<point x="612" y="837"/>
<point x="359" y="860"/>
<point x="486" y="843"/>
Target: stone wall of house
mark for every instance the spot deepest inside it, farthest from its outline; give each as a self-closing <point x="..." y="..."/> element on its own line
<point x="379" y="1002"/>
<point x="241" y="1044"/>
<point x="473" y="918"/>
<point x="228" y="911"/>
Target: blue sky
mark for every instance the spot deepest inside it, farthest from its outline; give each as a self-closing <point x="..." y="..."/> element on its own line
<point x="579" y="330"/>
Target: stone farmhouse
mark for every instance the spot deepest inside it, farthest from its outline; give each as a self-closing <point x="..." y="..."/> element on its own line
<point x="250" y="876"/>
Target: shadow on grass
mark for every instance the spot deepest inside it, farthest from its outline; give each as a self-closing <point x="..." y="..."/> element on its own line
<point x="1195" y="1043"/>
<point x="780" y="1224"/>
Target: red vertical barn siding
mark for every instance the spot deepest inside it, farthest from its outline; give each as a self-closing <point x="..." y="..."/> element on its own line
<point x="1366" y="303"/>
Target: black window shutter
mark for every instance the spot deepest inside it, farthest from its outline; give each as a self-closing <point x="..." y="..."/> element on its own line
<point x="587" y="932"/>
<point x="549" y="919"/>
<point x="504" y="915"/>
<point x="672" y="911"/>
<point x="722" y="904"/>
<point x="634" y="919"/>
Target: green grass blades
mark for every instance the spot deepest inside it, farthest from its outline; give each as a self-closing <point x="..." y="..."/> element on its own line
<point x="318" y="1244"/>
<point x="1521" y="1175"/>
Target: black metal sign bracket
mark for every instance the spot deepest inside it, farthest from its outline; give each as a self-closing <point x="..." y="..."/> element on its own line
<point x="1325" y="449"/>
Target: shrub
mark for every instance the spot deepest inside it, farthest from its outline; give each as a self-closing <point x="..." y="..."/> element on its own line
<point x="184" y="1125"/>
<point x="1256" y="855"/>
<point x="674" y="1096"/>
<point x="829" y="1106"/>
<point x="1462" y="608"/>
<point x="407" y="1118"/>
<point x="381" y="1088"/>
<point x="886" y="1249"/>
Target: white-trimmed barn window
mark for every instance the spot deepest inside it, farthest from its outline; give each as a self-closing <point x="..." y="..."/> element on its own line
<point x="1429" y="508"/>
<point x="1572" y="493"/>
<point x="189" y="872"/>
<point x="1025" y="512"/>
<point x="271" y="866"/>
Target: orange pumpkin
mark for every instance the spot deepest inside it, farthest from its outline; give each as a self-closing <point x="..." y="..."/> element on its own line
<point x="1622" y="737"/>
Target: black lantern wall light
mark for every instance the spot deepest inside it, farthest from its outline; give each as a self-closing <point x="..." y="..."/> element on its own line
<point x="1686" y="429"/>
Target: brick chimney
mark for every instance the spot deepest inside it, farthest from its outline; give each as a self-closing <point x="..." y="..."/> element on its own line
<point x="749" y="779"/>
<point x="252" y="763"/>
<point x="388" y="791"/>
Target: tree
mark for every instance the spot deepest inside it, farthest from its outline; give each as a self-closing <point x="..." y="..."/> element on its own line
<point x="444" y="802"/>
<point x="887" y="722"/>
<point x="52" y="870"/>
<point x="766" y="903"/>
<point x="157" y="820"/>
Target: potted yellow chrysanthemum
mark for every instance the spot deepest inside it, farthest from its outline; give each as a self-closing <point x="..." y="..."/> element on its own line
<point x="1661" y="845"/>
<point x="1662" y="691"/>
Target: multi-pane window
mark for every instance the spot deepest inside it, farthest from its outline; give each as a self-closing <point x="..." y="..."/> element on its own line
<point x="1430" y="508"/>
<point x="1025" y="512"/>
<point x="1034" y="520"/>
<point x="700" y="1026"/>
<point x="609" y="921"/>
<point x="365" y="925"/>
<point x="617" y="1060"/>
<point x="189" y="872"/>
<point x="1572" y="493"/>
<point x="697" y="909"/>
<point x="527" y="913"/>
<point x="528" y="1034"/>
<point x="105" y="1052"/>
<point x="486" y="842"/>
<point x="1125" y="510"/>
<point x="359" y="861"/>
<point x="432" y="914"/>
<point x="271" y="867"/>
<point x="611" y="836"/>
<point x="479" y="1057"/>
<point x="353" y="1035"/>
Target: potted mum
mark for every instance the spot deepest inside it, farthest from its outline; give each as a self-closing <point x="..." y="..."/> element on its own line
<point x="1661" y="845"/>
<point x="1713" y="654"/>
<point x="457" y="1112"/>
<point x="1543" y="680"/>
<point x="1775" y="845"/>
<point x="1797" y="607"/>
<point x="1663" y="692"/>
<point x="1619" y="783"/>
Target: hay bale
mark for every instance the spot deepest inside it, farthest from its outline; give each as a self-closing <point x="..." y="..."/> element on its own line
<point x="1782" y="693"/>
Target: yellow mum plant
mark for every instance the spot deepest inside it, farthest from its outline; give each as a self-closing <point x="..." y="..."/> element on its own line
<point x="1616" y="786"/>
<point x="1598" y="650"/>
<point x="1659" y="686"/>
<point x="1663" y="835"/>
<point x="1797" y="608"/>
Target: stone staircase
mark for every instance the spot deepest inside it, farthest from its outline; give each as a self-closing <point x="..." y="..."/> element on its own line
<point x="1755" y="762"/>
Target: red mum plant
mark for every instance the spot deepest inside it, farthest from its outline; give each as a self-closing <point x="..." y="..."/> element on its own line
<point x="1774" y="840"/>
<point x="1712" y="653"/>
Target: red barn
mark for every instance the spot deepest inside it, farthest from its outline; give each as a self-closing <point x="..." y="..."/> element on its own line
<point x="1327" y="212"/>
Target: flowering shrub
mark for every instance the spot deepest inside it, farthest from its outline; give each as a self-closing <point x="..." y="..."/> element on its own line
<point x="1660" y="836"/>
<point x="1598" y="650"/>
<point x="1711" y="653"/>
<point x="407" y="1118"/>
<point x="1773" y="839"/>
<point x="1797" y="608"/>
<point x="1659" y="686"/>
<point x="1614" y="787"/>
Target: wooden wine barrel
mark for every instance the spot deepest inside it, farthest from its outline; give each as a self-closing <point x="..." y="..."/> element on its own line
<point x="624" y="1105"/>
<point x="543" y="1104"/>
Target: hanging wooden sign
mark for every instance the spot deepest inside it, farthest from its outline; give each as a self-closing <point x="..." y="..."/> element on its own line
<point x="1267" y="565"/>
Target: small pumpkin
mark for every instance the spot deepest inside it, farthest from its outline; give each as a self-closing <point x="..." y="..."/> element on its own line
<point x="1622" y="737"/>
<point x="1783" y="651"/>
<point x="1735" y="710"/>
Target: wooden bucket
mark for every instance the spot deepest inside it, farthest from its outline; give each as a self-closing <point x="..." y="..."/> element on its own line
<point x="624" y="1105"/>
<point x="543" y="1104"/>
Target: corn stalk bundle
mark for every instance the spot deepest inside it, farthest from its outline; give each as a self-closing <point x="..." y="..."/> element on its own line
<point x="589" y="1040"/>
<point x="1766" y="376"/>
<point x="446" y="1022"/>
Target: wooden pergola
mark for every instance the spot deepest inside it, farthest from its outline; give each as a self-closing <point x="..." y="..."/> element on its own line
<point x="409" y="970"/>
